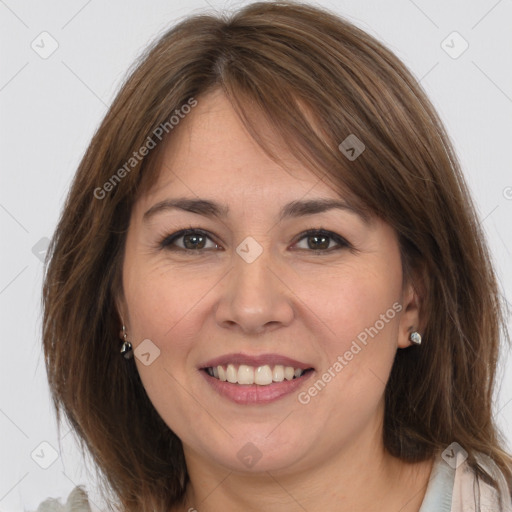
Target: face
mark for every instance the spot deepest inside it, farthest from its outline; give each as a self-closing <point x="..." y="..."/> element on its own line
<point x="313" y="320"/>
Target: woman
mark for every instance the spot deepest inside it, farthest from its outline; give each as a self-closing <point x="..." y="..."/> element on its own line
<point x="269" y="290"/>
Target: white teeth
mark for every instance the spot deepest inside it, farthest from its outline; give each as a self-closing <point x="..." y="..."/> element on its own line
<point x="245" y="374"/>
<point x="231" y="374"/>
<point x="222" y="373"/>
<point x="262" y="375"/>
<point x="289" y="372"/>
<point x="278" y="375"/>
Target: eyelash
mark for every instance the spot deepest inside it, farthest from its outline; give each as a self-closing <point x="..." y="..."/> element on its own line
<point x="167" y="241"/>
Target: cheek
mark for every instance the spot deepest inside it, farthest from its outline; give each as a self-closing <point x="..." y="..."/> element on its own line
<point x="360" y="309"/>
<point x="359" y="350"/>
<point x="160" y="298"/>
<point x="161" y="305"/>
<point x="354" y="297"/>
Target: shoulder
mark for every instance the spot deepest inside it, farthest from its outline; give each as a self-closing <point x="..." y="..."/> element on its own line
<point x="473" y="492"/>
<point x="77" y="502"/>
<point x="454" y="486"/>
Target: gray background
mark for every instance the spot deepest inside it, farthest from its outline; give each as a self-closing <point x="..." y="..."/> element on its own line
<point x="51" y="106"/>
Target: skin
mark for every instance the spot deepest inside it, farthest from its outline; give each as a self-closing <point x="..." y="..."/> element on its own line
<point x="327" y="454"/>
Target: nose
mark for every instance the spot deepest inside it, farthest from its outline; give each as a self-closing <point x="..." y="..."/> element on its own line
<point x="255" y="297"/>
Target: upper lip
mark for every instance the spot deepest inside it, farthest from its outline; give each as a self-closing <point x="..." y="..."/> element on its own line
<point x="255" y="360"/>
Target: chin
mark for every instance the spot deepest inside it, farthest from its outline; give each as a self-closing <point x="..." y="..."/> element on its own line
<point x="256" y="452"/>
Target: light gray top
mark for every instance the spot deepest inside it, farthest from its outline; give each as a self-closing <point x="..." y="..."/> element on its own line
<point x="453" y="486"/>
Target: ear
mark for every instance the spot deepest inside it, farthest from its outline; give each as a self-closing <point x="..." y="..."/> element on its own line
<point x="410" y="319"/>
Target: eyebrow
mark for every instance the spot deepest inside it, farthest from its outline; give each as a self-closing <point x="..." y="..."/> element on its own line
<point x="293" y="209"/>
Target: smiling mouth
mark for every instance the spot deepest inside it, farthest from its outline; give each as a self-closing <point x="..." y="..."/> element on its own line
<point x="261" y="375"/>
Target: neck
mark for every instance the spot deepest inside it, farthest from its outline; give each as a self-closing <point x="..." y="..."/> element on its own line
<point x="360" y="477"/>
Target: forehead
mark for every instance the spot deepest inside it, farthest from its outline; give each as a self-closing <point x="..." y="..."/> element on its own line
<point x="211" y="152"/>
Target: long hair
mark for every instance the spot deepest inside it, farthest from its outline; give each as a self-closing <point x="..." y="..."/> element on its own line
<point x="317" y="80"/>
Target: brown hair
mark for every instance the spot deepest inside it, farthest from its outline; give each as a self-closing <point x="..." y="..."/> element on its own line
<point x="316" y="79"/>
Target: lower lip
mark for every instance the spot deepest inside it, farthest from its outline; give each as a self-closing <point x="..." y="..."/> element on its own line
<point x="247" y="394"/>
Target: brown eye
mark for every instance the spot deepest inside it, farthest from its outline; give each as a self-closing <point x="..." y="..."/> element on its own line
<point x="192" y="240"/>
<point x="320" y="240"/>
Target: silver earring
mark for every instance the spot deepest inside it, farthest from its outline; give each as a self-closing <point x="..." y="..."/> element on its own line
<point x="126" y="349"/>
<point x="415" y="337"/>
